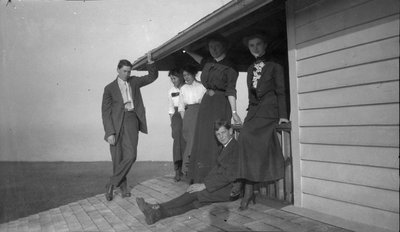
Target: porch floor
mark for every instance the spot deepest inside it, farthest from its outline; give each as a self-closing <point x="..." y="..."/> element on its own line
<point x="122" y="214"/>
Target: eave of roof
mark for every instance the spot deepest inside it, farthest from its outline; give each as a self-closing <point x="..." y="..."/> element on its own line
<point x="219" y="18"/>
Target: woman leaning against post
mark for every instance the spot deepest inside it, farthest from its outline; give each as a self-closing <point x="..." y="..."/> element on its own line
<point x="260" y="155"/>
<point x="178" y="146"/>
<point x="188" y="106"/>
<point x="219" y="102"/>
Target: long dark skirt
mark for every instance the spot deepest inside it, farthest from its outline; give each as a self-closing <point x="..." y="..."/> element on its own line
<point x="189" y="124"/>
<point x="178" y="146"/>
<point x="260" y="154"/>
<point x="205" y="145"/>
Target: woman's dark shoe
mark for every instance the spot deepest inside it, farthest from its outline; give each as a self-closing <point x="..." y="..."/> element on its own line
<point x="234" y="196"/>
<point x="236" y="191"/>
<point x="151" y="212"/>
<point x="248" y="196"/>
<point x="244" y="204"/>
<point x="178" y="175"/>
<point x="109" y="192"/>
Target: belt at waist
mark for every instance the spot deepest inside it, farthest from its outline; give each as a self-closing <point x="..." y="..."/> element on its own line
<point x="191" y="105"/>
<point x="211" y="92"/>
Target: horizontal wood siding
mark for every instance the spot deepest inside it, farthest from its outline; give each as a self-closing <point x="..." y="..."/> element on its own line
<point x="332" y="22"/>
<point x="347" y="55"/>
<point x="353" y="174"/>
<point x="365" y="53"/>
<point x="353" y="212"/>
<point x="382" y="136"/>
<point x="386" y="157"/>
<point x="376" y="93"/>
<point x="374" y="31"/>
<point x="381" y="114"/>
<point x="386" y="70"/>
<point x="355" y="194"/>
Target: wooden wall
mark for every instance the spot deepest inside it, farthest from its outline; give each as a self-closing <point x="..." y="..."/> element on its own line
<point x="347" y="67"/>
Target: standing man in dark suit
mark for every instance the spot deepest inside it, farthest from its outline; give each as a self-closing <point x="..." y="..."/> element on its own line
<point x="217" y="184"/>
<point x="124" y="116"/>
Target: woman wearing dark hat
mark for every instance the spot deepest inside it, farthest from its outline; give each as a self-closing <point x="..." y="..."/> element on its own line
<point x="219" y="102"/>
<point x="260" y="155"/>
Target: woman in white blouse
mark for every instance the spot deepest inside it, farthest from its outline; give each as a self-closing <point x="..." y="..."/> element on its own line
<point x="188" y="106"/>
<point x="178" y="146"/>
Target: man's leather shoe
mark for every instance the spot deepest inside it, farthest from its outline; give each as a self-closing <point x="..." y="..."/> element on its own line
<point x="109" y="192"/>
<point x="151" y="212"/>
<point x="124" y="190"/>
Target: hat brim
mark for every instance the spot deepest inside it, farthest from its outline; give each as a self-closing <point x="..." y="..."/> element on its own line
<point x="254" y="36"/>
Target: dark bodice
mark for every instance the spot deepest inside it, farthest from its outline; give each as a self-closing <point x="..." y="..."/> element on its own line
<point x="270" y="87"/>
<point x="220" y="76"/>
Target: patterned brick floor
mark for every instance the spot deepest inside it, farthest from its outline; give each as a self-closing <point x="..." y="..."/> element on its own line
<point x="96" y="214"/>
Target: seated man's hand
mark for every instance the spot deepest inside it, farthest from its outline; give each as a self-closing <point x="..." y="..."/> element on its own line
<point x="196" y="188"/>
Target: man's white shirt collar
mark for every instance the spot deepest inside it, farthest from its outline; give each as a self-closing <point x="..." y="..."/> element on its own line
<point x="228" y="142"/>
<point x="218" y="59"/>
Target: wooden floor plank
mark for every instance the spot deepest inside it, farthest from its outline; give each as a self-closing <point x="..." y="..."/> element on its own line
<point x="58" y="220"/>
<point x="4" y="227"/>
<point x="155" y="194"/>
<point x="13" y="226"/>
<point x="83" y="218"/>
<point x="95" y="215"/>
<point x="198" y="225"/>
<point x="169" y="190"/>
<point x="219" y="222"/>
<point x="312" y="225"/>
<point x="113" y="222"/>
<point x="33" y="223"/>
<point x="23" y="225"/>
<point x="69" y="216"/>
<point x="122" y="214"/>
<point x="45" y="222"/>
<point x="129" y="220"/>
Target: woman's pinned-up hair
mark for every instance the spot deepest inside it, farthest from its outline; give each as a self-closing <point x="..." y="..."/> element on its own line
<point x="219" y="38"/>
<point x="190" y="69"/>
<point x="258" y="35"/>
<point x="175" y="72"/>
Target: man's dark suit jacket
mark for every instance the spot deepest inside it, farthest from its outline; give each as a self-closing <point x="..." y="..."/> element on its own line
<point x="113" y="105"/>
<point x="220" y="179"/>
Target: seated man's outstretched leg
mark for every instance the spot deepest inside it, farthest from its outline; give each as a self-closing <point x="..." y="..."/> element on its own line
<point x="176" y="206"/>
<point x="217" y="186"/>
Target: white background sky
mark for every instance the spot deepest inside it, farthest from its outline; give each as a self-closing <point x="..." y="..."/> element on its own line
<point x="57" y="56"/>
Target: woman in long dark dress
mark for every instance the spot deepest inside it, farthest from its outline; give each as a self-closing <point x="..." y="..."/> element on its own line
<point x="260" y="155"/>
<point x="219" y="102"/>
<point x="188" y="106"/>
<point x="178" y="145"/>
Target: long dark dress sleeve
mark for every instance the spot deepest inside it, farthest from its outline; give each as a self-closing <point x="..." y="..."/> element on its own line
<point x="280" y="92"/>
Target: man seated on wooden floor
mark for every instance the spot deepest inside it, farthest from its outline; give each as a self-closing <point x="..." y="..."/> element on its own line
<point x="217" y="186"/>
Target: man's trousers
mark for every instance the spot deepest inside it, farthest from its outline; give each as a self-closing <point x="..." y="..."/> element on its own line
<point x="124" y="152"/>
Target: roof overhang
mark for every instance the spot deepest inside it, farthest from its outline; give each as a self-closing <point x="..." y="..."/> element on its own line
<point x="230" y="20"/>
